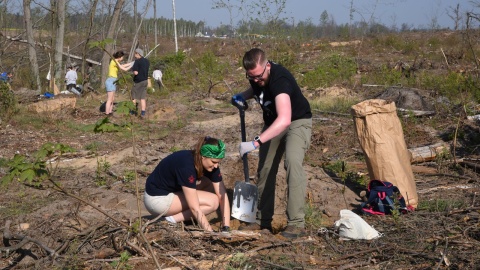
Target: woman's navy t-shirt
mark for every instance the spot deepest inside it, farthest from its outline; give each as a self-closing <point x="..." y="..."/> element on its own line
<point x="175" y="171"/>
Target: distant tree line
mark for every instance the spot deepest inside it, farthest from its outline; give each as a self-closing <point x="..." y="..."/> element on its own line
<point x="53" y="25"/>
<point x="304" y="29"/>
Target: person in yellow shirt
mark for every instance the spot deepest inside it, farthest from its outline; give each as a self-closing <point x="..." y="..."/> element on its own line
<point x="112" y="78"/>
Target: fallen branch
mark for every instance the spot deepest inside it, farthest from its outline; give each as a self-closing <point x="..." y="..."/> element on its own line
<point x="415" y="113"/>
<point x="471" y="165"/>
<point x="427" y="153"/>
<point x="445" y="187"/>
<point x="138" y="249"/>
<point x="45" y="46"/>
<point x="7" y="236"/>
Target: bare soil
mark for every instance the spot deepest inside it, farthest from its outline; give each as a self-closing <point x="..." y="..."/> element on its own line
<point x="443" y="234"/>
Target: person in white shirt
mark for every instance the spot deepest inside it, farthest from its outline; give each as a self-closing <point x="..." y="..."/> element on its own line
<point x="157" y="76"/>
<point x="71" y="80"/>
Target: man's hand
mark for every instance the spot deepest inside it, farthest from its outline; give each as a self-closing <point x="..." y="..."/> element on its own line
<point x="239" y="102"/>
<point x="246" y="147"/>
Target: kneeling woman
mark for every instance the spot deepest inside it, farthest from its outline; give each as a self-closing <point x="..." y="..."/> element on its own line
<point x="188" y="183"/>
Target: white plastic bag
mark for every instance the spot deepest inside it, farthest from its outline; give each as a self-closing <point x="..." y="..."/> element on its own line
<point x="351" y="226"/>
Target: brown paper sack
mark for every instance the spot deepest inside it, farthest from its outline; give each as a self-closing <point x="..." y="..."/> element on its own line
<point x="380" y="134"/>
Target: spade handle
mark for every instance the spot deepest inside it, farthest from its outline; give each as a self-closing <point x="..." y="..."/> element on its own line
<point x="244" y="139"/>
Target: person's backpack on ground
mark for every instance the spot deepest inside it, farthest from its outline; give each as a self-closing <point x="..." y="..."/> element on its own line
<point x="383" y="198"/>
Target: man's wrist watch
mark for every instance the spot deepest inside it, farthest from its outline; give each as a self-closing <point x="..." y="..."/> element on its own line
<point x="257" y="139"/>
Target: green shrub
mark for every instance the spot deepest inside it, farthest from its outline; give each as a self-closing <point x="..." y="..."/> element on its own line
<point x="455" y="86"/>
<point x="8" y="102"/>
<point x="313" y="216"/>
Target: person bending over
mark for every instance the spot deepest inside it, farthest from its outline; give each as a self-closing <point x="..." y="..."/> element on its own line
<point x="188" y="184"/>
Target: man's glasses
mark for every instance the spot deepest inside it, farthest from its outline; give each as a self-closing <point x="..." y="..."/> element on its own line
<point x="258" y="77"/>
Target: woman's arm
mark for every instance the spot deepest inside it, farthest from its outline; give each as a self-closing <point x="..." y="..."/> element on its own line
<point x="128" y="66"/>
<point x="194" y="205"/>
<point x="221" y="192"/>
<point x="124" y="67"/>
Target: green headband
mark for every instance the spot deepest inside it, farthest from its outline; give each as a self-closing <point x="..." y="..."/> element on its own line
<point x="213" y="151"/>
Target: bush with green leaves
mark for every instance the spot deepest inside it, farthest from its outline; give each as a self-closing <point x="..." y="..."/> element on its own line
<point x="36" y="170"/>
<point x="8" y="102"/>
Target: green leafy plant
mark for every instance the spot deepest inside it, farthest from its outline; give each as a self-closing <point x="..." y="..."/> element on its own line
<point x="122" y="263"/>
<point x="101" y="173"/>
<point x="36" y="171"/>
<point x="105" y="125"/>
<point x="128" y="176"/>
<point x="240" y="261"/>
<point x="8" y="102"/>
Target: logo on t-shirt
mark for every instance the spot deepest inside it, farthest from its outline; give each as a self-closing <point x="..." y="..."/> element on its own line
<point x="191" y="179"/>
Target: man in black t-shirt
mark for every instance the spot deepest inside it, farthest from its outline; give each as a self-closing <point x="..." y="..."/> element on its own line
<point x="287" y="130"/>
<point x="140" y="80"/>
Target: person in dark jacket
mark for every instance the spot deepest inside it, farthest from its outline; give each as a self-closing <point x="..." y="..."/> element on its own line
<point x="140" y="81"/>
<point x="287" y="130"/>
<point x="188" y="184"/>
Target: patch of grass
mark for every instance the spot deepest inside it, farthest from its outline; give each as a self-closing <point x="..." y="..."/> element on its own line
<point x="440" y="205"/>
<point x="313" y="216"/>
<point x="396" y="42"/>
<point x="455" y="86"/>
<point x="3" y="162"/>
<point x="334" y="69"/>
<point x="239" y="261"/>
<point x="32" y="121"/>
<point x="26" y="203"/>
<point x="93" y="146"/>
<point x="385" y="76"/>
<point x="177" y="124"/>
<point x="333" y="104"/>
<point x="342" y="170"/>
<point x="128" y="176"/>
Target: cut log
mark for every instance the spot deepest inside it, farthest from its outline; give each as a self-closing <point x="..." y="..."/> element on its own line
<point x="407" y="112"/>
<point x="51" y="105"/>
<point x="427" y="153"/>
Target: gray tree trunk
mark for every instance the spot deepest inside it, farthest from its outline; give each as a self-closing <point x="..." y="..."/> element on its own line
<point x="135" y="38"/>
<point x="60" y="35"/>
<point x="89" y="34"/>
<point x="32" y="52"/>
<point x="175" y="26"/>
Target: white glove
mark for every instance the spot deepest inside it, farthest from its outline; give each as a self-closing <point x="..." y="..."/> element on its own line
<point x="246" y="147"/>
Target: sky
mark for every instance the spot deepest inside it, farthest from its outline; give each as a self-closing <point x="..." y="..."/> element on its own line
<point x="416" y="13"/>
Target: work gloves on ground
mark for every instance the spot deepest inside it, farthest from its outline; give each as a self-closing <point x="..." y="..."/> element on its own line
<point x="246" y="147"/>
<point x="239" y="101"/>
